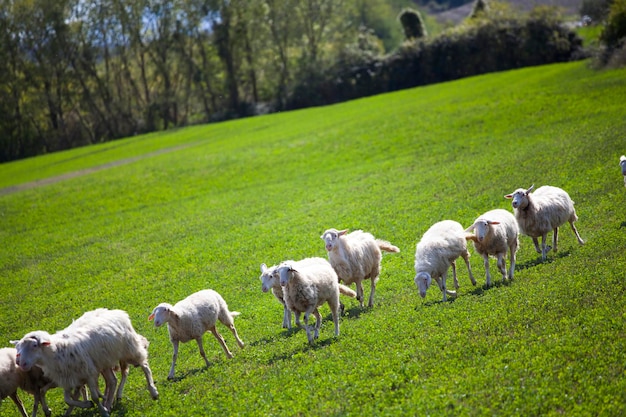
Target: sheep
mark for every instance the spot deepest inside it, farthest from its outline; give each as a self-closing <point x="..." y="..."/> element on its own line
<point x="12" y="378"/>
<point x="356" y="257"/>
<point x="307" y="284"/>
<point x="495" y="232"/>
<point x="438" y="249"/>
<point x="542" y="211"/>
<point x="622" y="164"/>
<point x="192" y="317"/>
<point x="270" y="280"/>
<point x="97" y="342"/>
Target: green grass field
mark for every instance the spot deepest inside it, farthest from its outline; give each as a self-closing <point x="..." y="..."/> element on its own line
<point x="165" y="215"/>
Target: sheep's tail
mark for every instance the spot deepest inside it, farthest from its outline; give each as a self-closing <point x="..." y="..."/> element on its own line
<point x="346" y="291"/>
<point x="234" y="313"/>
<point x="470" y="236"/>
<point x="386" y="246"/>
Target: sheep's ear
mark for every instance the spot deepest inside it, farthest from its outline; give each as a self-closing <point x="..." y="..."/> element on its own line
<point x="490" y="222"/>
<point x="508" y="196"/>
<point x="151" y="317"/>
<point x="342" y="232"/>
<point x="469" y="229"/>
<point x="530" y="189"/>
<point x="46" y="343"/>
<point x="263" y="268"/>
<point x="14" y="342"/>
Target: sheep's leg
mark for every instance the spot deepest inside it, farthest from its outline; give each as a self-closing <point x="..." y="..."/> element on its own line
<point x="286" y="318"/>
<point x="502" y="265"/>
<point x="465" y="257"/>
<point x="110" y="384"/>
<point x="359" y="292"/>
<point x="334" y="309"/>
<point x="148" y="374"/>
<point x="174" y="357"/>
<point x="220" y="339"/>
<point x="536" y="242"/>
<point x="456" y="280"/>
<point x="487" y="273"/>
<point x="306" y="326"/>
<point x="69" y="400"/>
<point x="124" y="373"/>
<point x="42" y="398"/>
<point x="555" y="239"/>
<point x="318" y="323"/>
<point x="234" y="331"/>
<point x="298" y="320"/>
<point x="373" y="290"/>
<point x="571" y="223"/>
<point x="512" y="250"/>
<point x="20" y="404"/>
<point x="544" y="248"/>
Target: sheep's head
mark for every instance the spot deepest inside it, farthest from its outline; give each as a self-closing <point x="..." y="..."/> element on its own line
<point x="269" y="277"/>
<point x="331" y="237"/>
<point x="423" y="280"/>
<point x="28" y="349"/>
<point x="285" y="270"/>
<point x="622" y="163"/>
<point x="520" y="197"/>
<point x="481" y="228"/>
<point x="161" y="314"/>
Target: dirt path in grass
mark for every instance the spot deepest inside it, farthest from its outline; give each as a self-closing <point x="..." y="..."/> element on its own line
<point x="68" y="175"/>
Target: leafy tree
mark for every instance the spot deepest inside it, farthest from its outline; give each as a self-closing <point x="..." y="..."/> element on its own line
<point x="412" y="24"/>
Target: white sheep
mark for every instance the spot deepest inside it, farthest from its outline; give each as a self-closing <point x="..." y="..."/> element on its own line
<point x="356" y="257"/>
<point x="270" y="280"/>
<point x="436" y="251"/>
<point x="622" y="164"/>
<point x="97" y="342"/>
<point x="190" y="318"/>
<point x="494" y="232"/>
<point x="308" y="284"/>
<point x="12" y="378"/>
<point x="542" y="211"/>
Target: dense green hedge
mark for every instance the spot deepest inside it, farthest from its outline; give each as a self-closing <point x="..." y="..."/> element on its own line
<point x="482" y="47"/>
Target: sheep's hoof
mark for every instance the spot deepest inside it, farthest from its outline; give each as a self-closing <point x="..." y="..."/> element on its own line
<point x="170" y="377"/>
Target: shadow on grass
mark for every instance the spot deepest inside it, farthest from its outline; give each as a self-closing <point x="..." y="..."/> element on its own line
<point x="623" y="224"/>
<point x="538" y="261"/>
<point x="306" y="347"/>
<point x="188" y="373"/>
<point x="286" y="333"/>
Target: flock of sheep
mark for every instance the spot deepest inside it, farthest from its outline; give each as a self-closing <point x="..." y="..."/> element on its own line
<point x="103" y="341"/>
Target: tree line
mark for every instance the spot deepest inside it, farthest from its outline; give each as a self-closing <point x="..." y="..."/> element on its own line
<point x="75" y="72"/>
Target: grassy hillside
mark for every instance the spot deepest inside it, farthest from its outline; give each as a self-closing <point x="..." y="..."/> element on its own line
<point x="155" y="218"/>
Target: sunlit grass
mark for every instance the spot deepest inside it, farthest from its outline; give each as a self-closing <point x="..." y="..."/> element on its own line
<point x="223" y="198"/>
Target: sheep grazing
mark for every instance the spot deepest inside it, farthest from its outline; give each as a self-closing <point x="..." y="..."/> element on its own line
<point x="356" y="257"/>
<point x="12" y="378"/>
<point x="622" y="164"/>
<point x="307" y="284"/>
<point x="190" y="318"/>
<point x="97" y="342"/>
<point x="542" y="211"/>
<point x="494" y="233"/>
<point x="438" y="249"/>
<point x="270" y="280"/>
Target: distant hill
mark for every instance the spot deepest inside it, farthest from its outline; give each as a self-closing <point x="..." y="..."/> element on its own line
<point x="457" y="14"/>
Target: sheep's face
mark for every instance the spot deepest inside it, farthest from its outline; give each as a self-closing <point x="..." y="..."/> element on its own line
<point x="519" y="198"/>
<point x="28" y="350"/>
<point x="284" y="272"/>
<point x="269" y="277"/>
<point x="482" y="228"/>
<point x="622" y="164"/>
<point x="160" y="315"/>
<point x="423" y="280"/>
<point x="331" y="238"/>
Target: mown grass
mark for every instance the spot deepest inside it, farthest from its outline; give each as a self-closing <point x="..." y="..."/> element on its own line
<point x="230" y="196"/>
